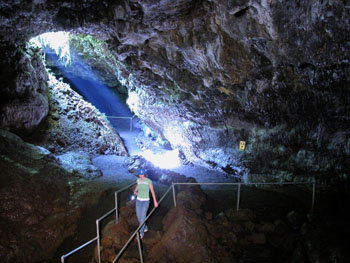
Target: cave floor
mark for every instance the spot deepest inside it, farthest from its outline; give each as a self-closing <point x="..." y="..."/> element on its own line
<point x="266" y="203"/>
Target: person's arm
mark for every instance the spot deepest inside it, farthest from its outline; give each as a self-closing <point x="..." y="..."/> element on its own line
<point x="136" y="190"/>
<point x="153" y="195"/>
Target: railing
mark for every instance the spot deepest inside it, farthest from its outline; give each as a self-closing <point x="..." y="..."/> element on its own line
<point x="239" y="189"/>
<point x="119" y="117"/>
<point x="137" y="231"/>
<point x="174" y="197"/>
<point x="98" y="237"/>
<point x="172" y="187"/>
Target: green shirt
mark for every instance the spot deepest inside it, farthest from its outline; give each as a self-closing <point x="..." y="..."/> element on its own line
<point x="143" y="189"/>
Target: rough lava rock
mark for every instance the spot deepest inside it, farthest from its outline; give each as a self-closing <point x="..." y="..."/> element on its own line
<point x="80" y="163"/>
<point x="24" y="100"/>
<point x="74" y="125"/>
<point x="189" y="232"/>
<point x="209" y="74"/>
<point x="41" y="202"/>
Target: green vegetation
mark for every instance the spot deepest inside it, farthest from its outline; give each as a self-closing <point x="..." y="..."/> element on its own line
<point x="96" y="53"/>
<point x="89" y="47"/>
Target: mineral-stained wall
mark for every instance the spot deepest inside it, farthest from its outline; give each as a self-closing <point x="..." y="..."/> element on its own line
<point x="209" y="74"/>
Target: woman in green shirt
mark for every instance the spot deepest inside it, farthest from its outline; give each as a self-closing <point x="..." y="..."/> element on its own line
<point x="144" y="185"/>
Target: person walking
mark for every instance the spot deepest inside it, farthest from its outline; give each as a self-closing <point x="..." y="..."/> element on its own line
<point x="142" y="189"/>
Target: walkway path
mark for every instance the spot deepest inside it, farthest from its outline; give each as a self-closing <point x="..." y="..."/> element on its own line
<point x="115" y="169"/>
<point x="129" y="138"/>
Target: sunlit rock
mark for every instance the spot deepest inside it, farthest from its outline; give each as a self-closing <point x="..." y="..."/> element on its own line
<point x="76" y="125"/>
<point x="79" y="163"/>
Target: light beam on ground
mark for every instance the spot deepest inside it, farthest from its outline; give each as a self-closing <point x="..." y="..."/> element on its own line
<point x="164" y="160"/>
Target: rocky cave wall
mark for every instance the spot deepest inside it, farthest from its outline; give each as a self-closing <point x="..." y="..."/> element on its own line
<point x="41" y="202"/>
<point x="211" y="73"/>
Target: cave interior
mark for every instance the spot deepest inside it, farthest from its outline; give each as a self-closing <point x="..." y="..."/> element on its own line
<point x="239" y="91"/>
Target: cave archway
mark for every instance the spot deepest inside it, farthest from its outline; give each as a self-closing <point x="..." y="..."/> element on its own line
<point x="89" y="67"/>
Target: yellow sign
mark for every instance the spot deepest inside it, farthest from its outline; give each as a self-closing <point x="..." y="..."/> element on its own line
<point x="242" y="145"/>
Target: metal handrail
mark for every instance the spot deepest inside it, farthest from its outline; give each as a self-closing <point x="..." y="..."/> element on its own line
<point x="98" y="237"/>
<point x="174" y="197"/>
<point x="121" y="117"/>
<point x="137" y="231"/>
<point x="239" y="189"/>
<point x="172" y="187"/>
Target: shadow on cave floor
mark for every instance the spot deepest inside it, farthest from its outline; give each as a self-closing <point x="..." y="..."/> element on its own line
<point x="266" y="203"/>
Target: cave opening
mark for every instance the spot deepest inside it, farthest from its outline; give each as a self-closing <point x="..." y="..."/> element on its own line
<point x="71" y="58"/>
<point x="90" y="69"/>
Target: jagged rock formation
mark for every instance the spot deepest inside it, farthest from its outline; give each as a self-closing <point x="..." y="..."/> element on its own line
<point x="24" y="103"/>
<point x="210" y="74"/>
<point x="75" y="125"/>
<point x="49" y="113"/>
<point x="89" y="59"/>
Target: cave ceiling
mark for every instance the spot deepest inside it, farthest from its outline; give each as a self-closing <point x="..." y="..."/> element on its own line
<point x="272" y="73"/>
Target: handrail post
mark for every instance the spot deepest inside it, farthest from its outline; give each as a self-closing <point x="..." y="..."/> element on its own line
<point x="62" y="259"/>
<point x="238" y="195"/>
<point x="132" y="119"/>
<point x="313" y="195"/>
<point x="174" y="195"/>
<point x="116" y="207"/>
<point x="98" y="240"/>
<point x="139" y="246"/>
